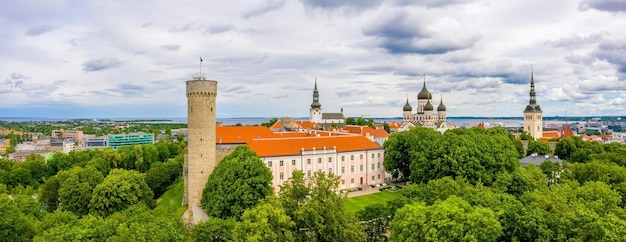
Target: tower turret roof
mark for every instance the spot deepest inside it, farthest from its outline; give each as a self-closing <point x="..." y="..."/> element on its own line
<point x="428" y="106"/>
<point x="316" y="97"/>
<point x="424" y="93"/>
<point x="407" y="107"/>
<point x="441" y="107"/>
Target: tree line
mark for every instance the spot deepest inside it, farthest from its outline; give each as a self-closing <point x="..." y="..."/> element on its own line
<point x="90" y="195"/>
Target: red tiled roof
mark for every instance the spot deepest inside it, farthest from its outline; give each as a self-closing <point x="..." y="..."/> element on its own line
<point x="362" y="130"/>
<point x="550" y="134"/>
<point x="481" y="125"/>
<point x="567" y="132"/>
<point x="298" y="124"/>
<point x="378" y="133"/>
<point x="241" y="134"/>
<point x="294" y="146"/>
<point x="394" y="125"/>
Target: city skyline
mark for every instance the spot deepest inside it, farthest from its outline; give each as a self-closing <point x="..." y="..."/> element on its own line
<point x="119" y="59"/>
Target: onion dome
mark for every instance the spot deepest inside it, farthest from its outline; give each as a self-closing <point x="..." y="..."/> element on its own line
<point x="407" y="107"/>
<point x="441" y="107"/>
<point x="428" y="106"/>
<point x="424" y="93"/>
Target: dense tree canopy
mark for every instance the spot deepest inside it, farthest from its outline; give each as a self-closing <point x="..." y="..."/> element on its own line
<point x="76" y="188"/>
<point x="119" y="190"/>
<point x="453" y="219"/>
<point x="538" y="147"/>
<point x="423" y="154"/>
<point x="317" y="209"/>
<point x="238" y="183"/>
<point x="266" y="221"/>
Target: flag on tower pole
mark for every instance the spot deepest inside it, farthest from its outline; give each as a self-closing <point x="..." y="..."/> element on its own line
<point x="200" y="66"/>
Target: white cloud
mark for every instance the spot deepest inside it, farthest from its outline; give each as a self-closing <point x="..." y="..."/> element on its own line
<point x="367" y="55"/>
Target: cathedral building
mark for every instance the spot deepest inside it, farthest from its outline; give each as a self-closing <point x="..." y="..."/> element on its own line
<point x="324" y="119"/>
<point x="533" y="123"/>
<point x="424" y="115"/>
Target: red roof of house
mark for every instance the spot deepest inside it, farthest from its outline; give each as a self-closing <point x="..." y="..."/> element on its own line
<point x="363" y="130"/>
<point x="294" y="146"/>
<point x="298" y="124"/>
<point x="567" y="132"/>
<point x="394" y="125"/>
<point x="551" y="134"/>
<point x="241" y="134"/>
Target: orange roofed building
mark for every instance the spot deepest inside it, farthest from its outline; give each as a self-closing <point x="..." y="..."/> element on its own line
<point x="296" y="125"/>
<point x="378" y="135"/>
<point x="356" y="159"/>
<point x="240" y="135"/>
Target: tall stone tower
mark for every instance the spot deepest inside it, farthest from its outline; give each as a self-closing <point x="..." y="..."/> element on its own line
<point x="316" y="107"/>
<point x="200" y="157"/>
<point x="533" y="123"/>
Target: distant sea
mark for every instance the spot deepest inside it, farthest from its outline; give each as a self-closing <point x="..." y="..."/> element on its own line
<point x="458" y="121"/>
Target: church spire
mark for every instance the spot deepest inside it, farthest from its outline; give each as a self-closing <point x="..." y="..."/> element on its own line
<point x="316" y="97"/>
<point x="532" y="103"/>
<point x="533" y="94"/>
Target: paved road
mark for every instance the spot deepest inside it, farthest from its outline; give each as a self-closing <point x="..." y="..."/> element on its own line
<point x="367" y="191"/>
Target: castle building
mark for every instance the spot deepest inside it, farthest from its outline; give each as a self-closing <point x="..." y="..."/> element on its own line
<point x="200" y="157"/>
<point x="356" y="159"/>
<point x="533" y="123"/>
<point x="324" y="119"/>
<point x="424" y="115"/>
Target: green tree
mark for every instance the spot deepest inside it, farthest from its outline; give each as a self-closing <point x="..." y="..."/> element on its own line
<point x="36" y="164"/>
<point x="239" y="182"/>
<point x="163" y="151"/>
<point x="317" y="209"/>
<point x="570" y="209"/>
<point x="214" y="229"/>
<point x="350" y="121"/>
<point x="158" y="178"/>
<point x="375" y="218"/>
<point x="49" y="193"/>
<point x="525" y="179"/>
<point x="56" y="219"/>
<point x="407" y="148"/>
<point x="14" y="224"/>
<point x="20" y="176"/>
<point x="565" y="147"/>
<point x="119" y="190"/>
<point x="75" y="191"/>
<point x="538" y="147"/>
<point x="386" y="127"/>
<point x="526" y="136"/>
<point x="453" y="219"/>
<point x="519" y="146"/>
<point x="150" y="156"/>
<point x="88" y="228"/>
<point x="552" y="170"/>
<point x="139" y="224"/>
<point x="59" y="161"/>
<point x="270" y="122"/>
<point x="266" y="221"/>
<point x="180" y="137"/>
<point x="475" y="154"/>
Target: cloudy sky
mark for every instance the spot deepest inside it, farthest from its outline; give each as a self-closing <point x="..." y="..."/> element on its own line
<point x="118" y="58"/>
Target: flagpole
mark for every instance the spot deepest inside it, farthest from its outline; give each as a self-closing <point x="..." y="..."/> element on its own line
<point x="200" y="66"/>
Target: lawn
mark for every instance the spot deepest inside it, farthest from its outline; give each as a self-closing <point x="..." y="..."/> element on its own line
<point x="170" y="202"/>
<point x="355" y="204"/>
